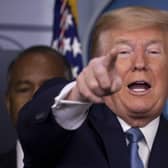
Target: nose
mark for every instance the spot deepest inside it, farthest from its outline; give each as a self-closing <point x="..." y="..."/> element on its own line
<point x="140" y="61"/>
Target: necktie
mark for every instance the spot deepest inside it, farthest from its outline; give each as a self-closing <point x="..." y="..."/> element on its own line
<point x="134" y="135"/>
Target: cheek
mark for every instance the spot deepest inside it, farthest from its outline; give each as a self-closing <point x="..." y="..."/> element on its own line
<point x="17" y="103"/>
<point x="160" y="71"/>
<point x="123" y="65"/>
<point x="13" y="109"/>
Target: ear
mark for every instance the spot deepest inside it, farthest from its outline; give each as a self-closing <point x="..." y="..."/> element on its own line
<point x="7" y="102"/>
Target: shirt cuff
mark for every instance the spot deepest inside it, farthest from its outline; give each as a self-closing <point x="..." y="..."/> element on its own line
<point x="69" y="114"/>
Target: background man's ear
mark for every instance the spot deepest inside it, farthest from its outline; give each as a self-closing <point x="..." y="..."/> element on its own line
<point x="7" y="103"/>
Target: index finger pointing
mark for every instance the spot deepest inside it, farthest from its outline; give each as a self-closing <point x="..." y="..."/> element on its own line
<point x="110" y="59"/>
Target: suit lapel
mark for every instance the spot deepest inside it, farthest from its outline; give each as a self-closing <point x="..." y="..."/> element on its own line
<point x="159" y="153"/>
<point x="112" y="136"/>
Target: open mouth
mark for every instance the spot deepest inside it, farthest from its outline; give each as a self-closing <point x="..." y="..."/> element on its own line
<point x="139" y="86"/>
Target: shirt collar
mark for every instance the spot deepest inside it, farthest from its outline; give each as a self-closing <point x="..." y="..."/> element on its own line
<point x="149" y="131"/>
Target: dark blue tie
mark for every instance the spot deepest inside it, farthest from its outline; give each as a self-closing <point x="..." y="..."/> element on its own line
<point x="134" y="135"/>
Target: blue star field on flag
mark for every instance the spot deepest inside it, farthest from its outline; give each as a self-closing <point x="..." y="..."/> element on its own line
<point x="65" y="35"/>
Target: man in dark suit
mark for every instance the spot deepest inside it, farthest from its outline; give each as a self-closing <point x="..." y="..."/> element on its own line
<point x="8" y="159"/>
<point x="111" y="116"/>
<point x="26" y="73"/>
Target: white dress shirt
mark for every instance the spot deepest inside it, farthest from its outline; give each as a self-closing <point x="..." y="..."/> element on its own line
<point x="19" y="155"/>
<point x="149" y="132"/>
<point x="71" y="114"/>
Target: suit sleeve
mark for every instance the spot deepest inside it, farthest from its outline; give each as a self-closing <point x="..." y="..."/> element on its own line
<point x="42" y="139"/>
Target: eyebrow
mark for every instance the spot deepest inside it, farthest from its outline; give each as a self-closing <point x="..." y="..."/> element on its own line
<point x="128" y="42"/>
<point x="23" y="82"/>
<point x="123" y="41"/>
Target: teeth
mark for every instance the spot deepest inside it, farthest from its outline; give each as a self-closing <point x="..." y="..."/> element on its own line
<point x="138" y="89"/>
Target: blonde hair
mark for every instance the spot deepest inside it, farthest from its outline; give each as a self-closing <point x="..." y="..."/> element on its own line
<point x="128" y="18"/>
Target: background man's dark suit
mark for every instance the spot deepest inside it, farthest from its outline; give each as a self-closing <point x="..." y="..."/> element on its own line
<point x="8" y="160"/>
<point x="98" y="143"/>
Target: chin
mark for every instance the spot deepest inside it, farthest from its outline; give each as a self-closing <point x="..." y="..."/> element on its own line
<point x="138" y="104"/>
<point x="138" y="122"/>
<point x="139" y="110"/>
<point x="139" y="118"/>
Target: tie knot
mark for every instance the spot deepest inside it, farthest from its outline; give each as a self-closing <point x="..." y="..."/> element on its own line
<point x="134" y="135"/>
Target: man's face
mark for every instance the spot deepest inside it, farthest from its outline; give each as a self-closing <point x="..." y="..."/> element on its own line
<point x="142" y="64"/>
<point x="29" y="73"/>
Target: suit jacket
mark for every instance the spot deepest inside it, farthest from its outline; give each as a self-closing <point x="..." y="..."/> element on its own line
<point x="8" y="160"/>
<point x="98" y="143"/>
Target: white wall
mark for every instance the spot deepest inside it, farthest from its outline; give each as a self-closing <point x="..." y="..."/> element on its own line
<point x="29" y="22"/>
<point x="26" y="21"/>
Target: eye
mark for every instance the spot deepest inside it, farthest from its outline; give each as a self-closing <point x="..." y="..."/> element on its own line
<point x="124" y="53"/>
<point x="23" y="89"/>
<point x="154" y="52"/>
<point x="154" y="49"/>
<point x="124" y="49"/>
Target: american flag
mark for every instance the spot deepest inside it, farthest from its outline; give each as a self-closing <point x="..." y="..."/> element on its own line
<point x="65" y="35"/>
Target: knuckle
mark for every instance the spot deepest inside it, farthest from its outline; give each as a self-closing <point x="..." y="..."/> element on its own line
<point x="93" y="85"/>
<point x="99" y="71"/>
<point x="94" y="62"/>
